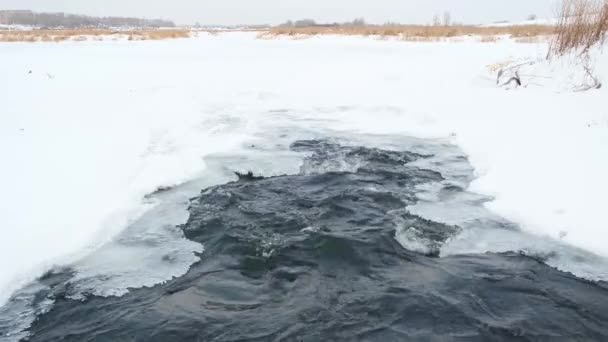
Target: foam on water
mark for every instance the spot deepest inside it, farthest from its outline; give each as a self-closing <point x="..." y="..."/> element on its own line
<point x="450" y="202"/>
<point x="150" y="251"/>
<point x="153" y="249"/>
<point x="482" y="230"/>
<point x="19" y="314"/>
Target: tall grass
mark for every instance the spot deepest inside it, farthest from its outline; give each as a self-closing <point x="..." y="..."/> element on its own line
<point x="416" y="32"/>
<point x="582" y="24"/>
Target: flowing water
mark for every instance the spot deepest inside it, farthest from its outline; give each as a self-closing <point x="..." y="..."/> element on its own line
<point x="326" y="237"/>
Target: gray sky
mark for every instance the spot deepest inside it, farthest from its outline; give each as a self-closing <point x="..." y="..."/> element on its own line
<point x="231" y="12"/>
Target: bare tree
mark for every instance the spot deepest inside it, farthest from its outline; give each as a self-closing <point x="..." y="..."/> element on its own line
<point x="436" y="20"/>
<point x="447" y="18"/>
<point x="305" y="23"/>
<point x="358" y="22"/>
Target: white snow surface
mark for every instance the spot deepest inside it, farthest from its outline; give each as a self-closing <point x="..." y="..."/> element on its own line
<point x="17" y="27"/>
<point x="87" y="129"/>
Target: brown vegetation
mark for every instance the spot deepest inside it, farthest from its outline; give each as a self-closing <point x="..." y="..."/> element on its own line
<point x="85" y="34"/>
<point x="583" y="24"/>
<point x="415" y="32"/>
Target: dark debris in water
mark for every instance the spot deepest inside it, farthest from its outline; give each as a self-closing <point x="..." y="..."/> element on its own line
<point x="247" y="177"/>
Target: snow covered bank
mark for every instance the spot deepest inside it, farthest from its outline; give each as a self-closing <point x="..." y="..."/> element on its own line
<point x="84" y="142"/>
<point x="91" y="128"/>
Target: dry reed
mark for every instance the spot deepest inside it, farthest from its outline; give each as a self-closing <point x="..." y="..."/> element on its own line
<point x="583" y="24"/>
<point x="414" y="32"/>
<point x="85" y="34"/>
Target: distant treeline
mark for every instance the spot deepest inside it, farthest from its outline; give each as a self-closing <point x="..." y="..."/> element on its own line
<point x="312" y="23"/>
<point x="444" y="19"/>
<point x="64" y="20"/>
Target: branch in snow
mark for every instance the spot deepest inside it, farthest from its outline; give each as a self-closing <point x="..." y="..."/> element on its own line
<point x="595" y="84"/>
<point x="514" y="78"/>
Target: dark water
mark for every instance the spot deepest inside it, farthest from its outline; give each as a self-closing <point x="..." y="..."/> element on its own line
<point x="313" y="257"/>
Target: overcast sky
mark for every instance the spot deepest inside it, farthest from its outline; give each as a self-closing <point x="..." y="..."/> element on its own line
<point x="231" y="12"/>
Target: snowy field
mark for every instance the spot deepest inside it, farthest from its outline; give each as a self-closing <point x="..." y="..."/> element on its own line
<point x="88" y="129"/>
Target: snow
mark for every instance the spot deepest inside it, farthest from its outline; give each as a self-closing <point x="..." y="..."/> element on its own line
<point x="17" y="27"/>
<point x="96" y="126"/>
